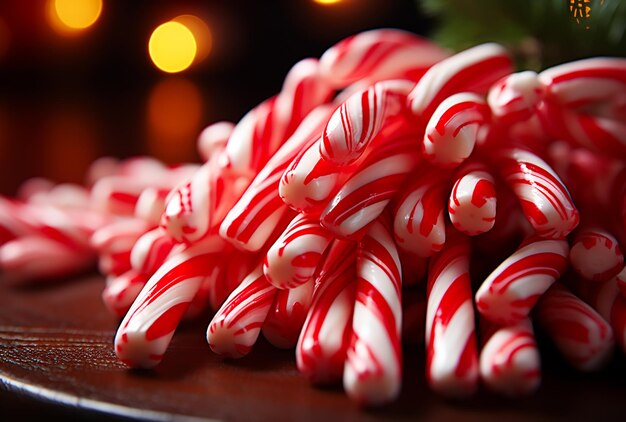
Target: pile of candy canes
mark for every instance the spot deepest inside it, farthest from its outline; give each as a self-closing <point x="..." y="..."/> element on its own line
<point x="389" y="192"/>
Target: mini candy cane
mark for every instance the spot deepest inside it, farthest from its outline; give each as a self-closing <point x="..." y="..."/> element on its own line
<point x="237" y="324"/>
<point x="119" y="194"/>
<point x="419" y="225"/>
<point x="508" y="294"/>
<point x="596" y="255"/>
<point x="287" y="314"/>
<point x="237" y="265"/>
<point x="151" y="204"/>
<point x="472" y="204"/>
<point x="373" y="368"/>
<point x="545" y="201"/>
<point x="377" y="55"/>
<point x="201" y="301"/>
<point x="150" y="251"/>
<point x="451" y="351"/>
<point x="254" y="217"/>
<point x="213" y="139"/>
<point x="452" y="130"/>
<point x="121" y="291"/>
<point x="39" y="258"/>
<point x="292" y="260"/>
<point x="360" y="118"/>
<point x="263" y="130"/>
<point x="514" y="98"/>
<point x="473" y="70"/>
<point x="367" y="192"/>
<point x="605" y="298"/>
<point x="509" y="360"/>
<point x="583" y="337"/>
<point x="582" y="82"/>
<point x="326" y="333"/>
<point x="597" y="133"/>
<point x="148" y="327"/>
<point x="115" y="241"/>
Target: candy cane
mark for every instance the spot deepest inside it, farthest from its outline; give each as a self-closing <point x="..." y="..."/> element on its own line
<point x="472" y="205"/>
<point x="419" y="225"/>
<point x="148" y="327"/>
<point x="12" y="223"/>
<point x="583" y="82"/>
<point x="509" y="360"/>
<point x="473" y="70"/>
<point x="545" y="201"/>
<point x="514" y="98"/>
<point x="367" y="192"/>
<point x="213" y="139"/>
<point x="373" y="371"/>
<point x="254" y="217"/>
<point x="115" y="241"/>
<point x="377" y="55"/>
<point x="121" y="291"/>
<point x="236" y="325"/>
<point x="452" y="130"/>
<point x="582" y="336"/>
<point x="151" y="204"/>
<point x="451" y="351"/>
<point x="237" y="265"/>
<point x="326" y="333"/>
<point x="360" y="118"/>
<point x="596" y="255"/>
<point x="509" y="293"/>
<point x="292" y="260"/>
<point x="287" y="314"/>
<point x="150" y="251"/>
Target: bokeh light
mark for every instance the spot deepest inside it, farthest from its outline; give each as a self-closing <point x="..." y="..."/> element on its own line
<point x="174" y="117"/>
<point x="201" y="33"/>
<point x="327" y="2"/>
<point x="172" y="47"/>
<point x="68" y="16"/>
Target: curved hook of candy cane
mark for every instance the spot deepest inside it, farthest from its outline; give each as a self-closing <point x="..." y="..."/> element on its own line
<point x="472" y="205"/>
<point x="213" y="139"/>
<point x="514" y="98"/>
<point x="596" y="255"/>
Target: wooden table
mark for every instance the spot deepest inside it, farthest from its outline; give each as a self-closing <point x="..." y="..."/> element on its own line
<point x="56" y="359"/>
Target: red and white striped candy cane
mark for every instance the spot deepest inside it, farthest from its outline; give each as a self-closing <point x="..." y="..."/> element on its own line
<point x="150" y="251"/>
<point x="326" y="333"/>
<point x="121" y="291"/>
<point x="419" y="225"/>
<point x="451" y="351"/>
<point x="472" y="205"/>
<point x="509" y="293"/>
<point x="236" y="326"/>
<point x="472" y="70"/>
<point x="364" y="196"/>
<point x="509" y="360"/>
<point x="598" y="133"/>
<point x="287" y="314"/>
<point x="596" y="255"/>
<point x="580" y="83"/>
<point x="377" y="55"/>
<point x="582" y="336"/>
<point x="452" y="130"/>
<point x="263" y="130"/>
<point x="605" y="298"/>
<point x="293" y="258"/>
<point x="514" y="98"/>
<point x="148" y="327"/>
<point x="151" y="204"/>
<point x="213" y="139"/>
<point x="35" y="258"/>
<point x="12" y="222"/>
<point x="373" y="368"/>
<point x="202" y="299"/>
<point x="114" y="243"/>
<point x="256" y="214"/>
<point x="544" y="199"/>
<point x="237" y="265"/>
<point x="360" y="118"/>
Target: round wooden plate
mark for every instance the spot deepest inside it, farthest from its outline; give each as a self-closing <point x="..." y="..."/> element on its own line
<point x="56" y="359"/>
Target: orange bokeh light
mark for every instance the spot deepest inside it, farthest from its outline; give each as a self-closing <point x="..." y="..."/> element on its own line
<point x="174" y="115"/>
<point x="327" y="2"/>
<point x="72" y="16"/>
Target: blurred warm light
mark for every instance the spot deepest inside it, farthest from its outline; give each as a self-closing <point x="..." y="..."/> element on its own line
<point x="326" y="1"/>
<point x="201" y="33"/>
<point x="174" y="116"/>
<point x="5" y="37"/>
<point x="67" y="16"/>
<point x="172" y="47"/>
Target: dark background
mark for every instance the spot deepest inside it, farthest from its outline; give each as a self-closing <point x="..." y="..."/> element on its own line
<point x="66" y="100"/>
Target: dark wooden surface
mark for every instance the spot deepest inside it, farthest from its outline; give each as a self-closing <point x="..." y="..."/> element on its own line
<point x="56" y="359"/>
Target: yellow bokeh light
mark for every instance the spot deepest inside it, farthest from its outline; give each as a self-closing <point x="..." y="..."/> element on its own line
<point x="201" y="33"/>
<point x="73" y="15"/>
<point x="172" y="47"/>
<point x="327" y="1"/>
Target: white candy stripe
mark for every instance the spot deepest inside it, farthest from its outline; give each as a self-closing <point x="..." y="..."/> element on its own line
<point x="150" y="251"/>
<point x="514" y="98"/>
<point x="213" y="139"/>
